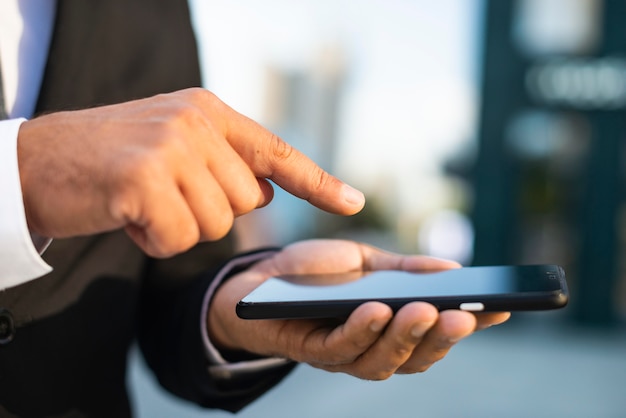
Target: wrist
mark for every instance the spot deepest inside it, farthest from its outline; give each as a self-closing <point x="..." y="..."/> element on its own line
<point x="226" y="330"/>
<point x="221" y="329"/>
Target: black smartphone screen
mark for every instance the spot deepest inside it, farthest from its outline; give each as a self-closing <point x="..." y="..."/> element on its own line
<point x="489" y="288"/>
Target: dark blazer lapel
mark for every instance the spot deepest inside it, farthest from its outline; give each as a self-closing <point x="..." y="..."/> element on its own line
<point x="109" y="51"/>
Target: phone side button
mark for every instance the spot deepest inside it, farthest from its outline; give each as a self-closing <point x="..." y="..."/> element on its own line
<point x="472" y="306"/>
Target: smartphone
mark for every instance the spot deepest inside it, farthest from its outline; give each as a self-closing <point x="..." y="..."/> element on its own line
<point x="487" y="288"/>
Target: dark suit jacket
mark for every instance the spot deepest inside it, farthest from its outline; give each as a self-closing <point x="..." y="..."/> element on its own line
<point x="70" y="331"/>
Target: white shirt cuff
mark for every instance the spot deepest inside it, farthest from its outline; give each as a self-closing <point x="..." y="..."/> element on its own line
<point x="20" y="261"/>
<point x="218" y="366"/>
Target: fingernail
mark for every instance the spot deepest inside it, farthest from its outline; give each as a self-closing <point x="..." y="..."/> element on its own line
<point x="353" y="196"/>
<point x="377" y="326"/>
<point x="418" y="331"/>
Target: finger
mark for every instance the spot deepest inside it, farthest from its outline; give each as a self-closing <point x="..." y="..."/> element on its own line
<point x="377" y="259"/>
<point x="451" y="327"/>
<point x="204" y="140"/>
<point x="349" y="340"/>
<point x="270" y="157"/>
<point x="339" y="255"/>
<point x="303" y="257"/>
<point x="396" y="345"/>
<point x="165" y="226"/>
<point x="240" y="184"/>
<point x="207" y="201"/>
<point x="488" y="319"/>
<point x="267" y="192"/>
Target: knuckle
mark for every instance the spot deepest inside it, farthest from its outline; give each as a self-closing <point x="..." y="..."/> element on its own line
<point x="121" y="206"/>
<point x="205" y="99"/>
<point x="401" y="352"/>
<point x="292" y="347"/>
<point x="174" y="125"/>
<point x="192" y="94"/>
<point x="280" y="150"/>
<point x="402" y="346"/>
<point x="182" y="121"/>
<point x="130" y="181"/>
<point x="322" y="179"/>
<point x="199" y="93"/>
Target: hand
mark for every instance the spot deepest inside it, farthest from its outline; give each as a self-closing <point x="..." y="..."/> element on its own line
<point x="372" y="344"/>
<point x="172" y="170"/>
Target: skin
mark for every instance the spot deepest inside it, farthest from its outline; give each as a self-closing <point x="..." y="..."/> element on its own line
<point x="372" y="344"/>
<point x="172" y="170"/>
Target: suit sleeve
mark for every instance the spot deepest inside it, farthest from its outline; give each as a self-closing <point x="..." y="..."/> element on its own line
<point x="176" y="346"/>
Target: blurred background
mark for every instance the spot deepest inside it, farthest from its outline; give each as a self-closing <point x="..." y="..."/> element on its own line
<point x="488" y="132"/>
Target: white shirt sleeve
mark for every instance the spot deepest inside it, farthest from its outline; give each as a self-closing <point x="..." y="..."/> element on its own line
<point x="19" y="259"/>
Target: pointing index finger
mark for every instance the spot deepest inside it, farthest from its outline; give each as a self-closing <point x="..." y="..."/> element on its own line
<point x="270" y="157"/>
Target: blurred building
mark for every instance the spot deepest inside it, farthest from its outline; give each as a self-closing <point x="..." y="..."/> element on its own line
<point x="301" y="105"/>
<point x="548" y="177"/>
